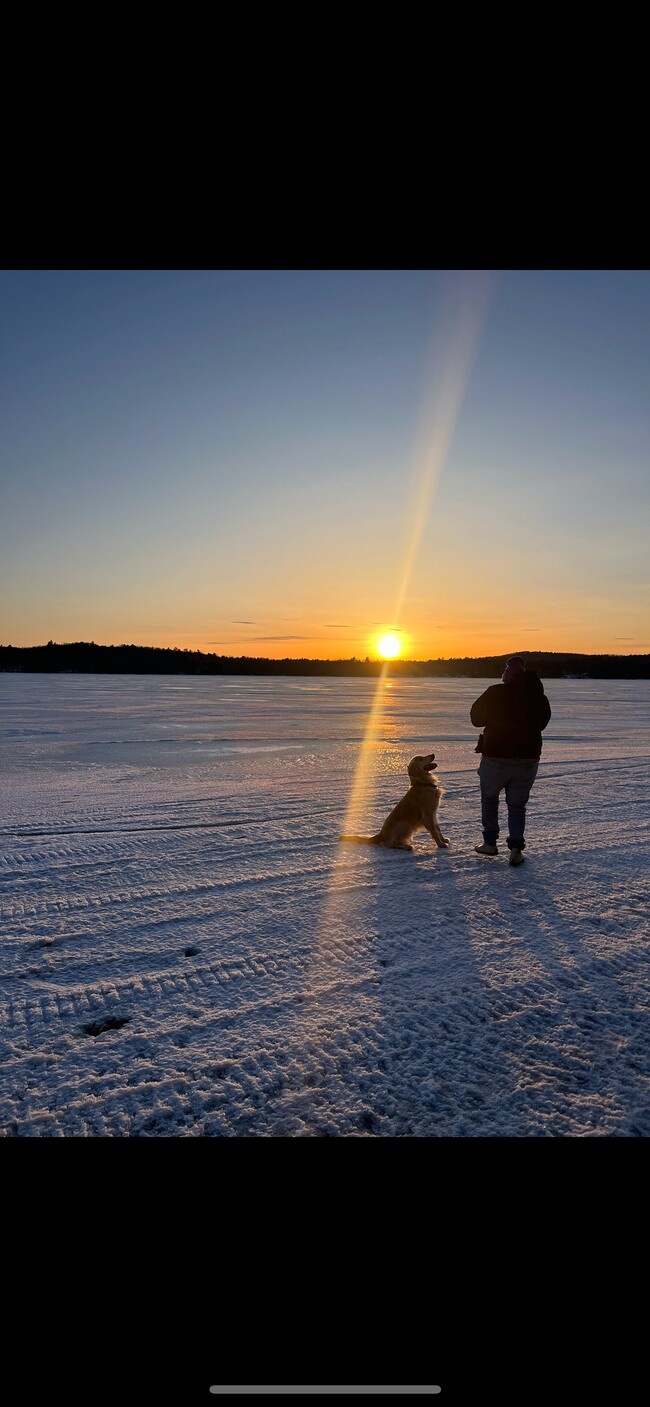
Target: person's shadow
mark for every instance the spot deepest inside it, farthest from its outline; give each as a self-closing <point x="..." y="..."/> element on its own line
<point x="474" y="1008"/>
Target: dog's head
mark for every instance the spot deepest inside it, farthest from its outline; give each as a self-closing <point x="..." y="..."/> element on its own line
<point x="420" y="767"/>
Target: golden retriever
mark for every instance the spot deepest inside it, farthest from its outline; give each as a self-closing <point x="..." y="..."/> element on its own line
<point x="416" y="811"/>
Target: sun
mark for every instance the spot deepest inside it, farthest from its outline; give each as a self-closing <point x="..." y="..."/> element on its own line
<point x="388" y="646"/>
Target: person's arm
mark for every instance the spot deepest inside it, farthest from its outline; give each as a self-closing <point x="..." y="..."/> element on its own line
<point x="480" y="708"/>
<point x="545" y="712"/>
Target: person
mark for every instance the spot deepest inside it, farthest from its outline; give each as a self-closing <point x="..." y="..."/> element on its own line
<point x="513" y="715"/>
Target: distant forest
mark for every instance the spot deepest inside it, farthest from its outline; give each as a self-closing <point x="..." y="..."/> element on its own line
<point x="85" y="657"/>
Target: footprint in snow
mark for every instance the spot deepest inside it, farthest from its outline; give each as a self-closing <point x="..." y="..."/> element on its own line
<point x="113" y="1023"/>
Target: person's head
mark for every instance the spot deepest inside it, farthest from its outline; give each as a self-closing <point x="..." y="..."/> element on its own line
<point x="514" y="668"/>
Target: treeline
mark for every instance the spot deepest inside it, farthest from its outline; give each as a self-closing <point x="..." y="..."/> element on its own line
<point x="83" y="657"/>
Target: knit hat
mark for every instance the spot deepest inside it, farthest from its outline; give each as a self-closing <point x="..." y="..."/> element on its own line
<point x="513" y="669"/>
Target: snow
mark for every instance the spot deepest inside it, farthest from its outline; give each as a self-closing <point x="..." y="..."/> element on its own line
<point x="189" y="950"/>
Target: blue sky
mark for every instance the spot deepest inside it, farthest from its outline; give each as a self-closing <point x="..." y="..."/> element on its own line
<point x="229" y="460"/>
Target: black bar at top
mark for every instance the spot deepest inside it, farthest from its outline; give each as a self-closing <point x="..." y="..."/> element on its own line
<point x="396" y="1391"/>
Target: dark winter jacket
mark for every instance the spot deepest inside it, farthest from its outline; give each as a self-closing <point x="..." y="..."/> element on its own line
<point x="512" y="717"/>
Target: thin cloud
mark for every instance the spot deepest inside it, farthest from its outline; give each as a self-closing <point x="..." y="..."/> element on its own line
<point x="345" y="639"/>
<point x="243" y="622"/>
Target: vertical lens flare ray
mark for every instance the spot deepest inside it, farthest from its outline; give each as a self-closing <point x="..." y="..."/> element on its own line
<point x="359" y="781"/>
<point x="457" y="341"/>
<point x="454" y="348"/>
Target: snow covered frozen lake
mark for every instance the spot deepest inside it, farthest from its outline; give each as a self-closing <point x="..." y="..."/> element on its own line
<point x="187" y="949"/>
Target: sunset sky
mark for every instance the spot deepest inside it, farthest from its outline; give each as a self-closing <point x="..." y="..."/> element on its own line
<point x="294" y="463"/>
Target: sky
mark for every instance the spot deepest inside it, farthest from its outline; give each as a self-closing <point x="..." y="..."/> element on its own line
<point x="293" y="463"/>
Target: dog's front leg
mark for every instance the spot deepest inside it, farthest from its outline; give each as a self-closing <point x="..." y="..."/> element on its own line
<point x="436" y="834"/>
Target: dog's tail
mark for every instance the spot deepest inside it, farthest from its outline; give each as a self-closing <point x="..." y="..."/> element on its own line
<point x="363" y="839"/>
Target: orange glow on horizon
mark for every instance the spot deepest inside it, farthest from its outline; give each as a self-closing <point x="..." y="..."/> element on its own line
<point x="420" y="645"/>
